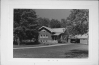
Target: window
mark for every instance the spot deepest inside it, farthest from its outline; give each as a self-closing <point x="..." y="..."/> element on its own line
<point x="42" y="40"/>
<point x="44" y="31"/>
<point x="39" y="40"/>
<point x="43" y="36"/>
<point x="40" y="36"/>
<point x="45" y="40"/>
<point x="46" y="36"/>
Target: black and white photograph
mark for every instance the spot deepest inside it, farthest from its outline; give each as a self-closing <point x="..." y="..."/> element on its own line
<point x="50" y="33"/>
<point x="46" y="32"/>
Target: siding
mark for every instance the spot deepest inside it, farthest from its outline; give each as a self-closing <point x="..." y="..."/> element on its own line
<point x="41" y="38"/>
<point x="84" y="41"/>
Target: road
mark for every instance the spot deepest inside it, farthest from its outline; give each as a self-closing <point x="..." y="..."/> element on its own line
<point x="47" y="52"/>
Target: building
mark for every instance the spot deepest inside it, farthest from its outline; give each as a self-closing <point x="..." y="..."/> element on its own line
<point x="82" y="39"/>
<point x="50" y="35"/>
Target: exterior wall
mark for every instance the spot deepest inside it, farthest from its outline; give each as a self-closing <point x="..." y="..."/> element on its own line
<point x="82" y="40"/>
<point x="44" y="37"/>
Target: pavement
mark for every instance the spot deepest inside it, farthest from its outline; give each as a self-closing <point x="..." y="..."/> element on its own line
<point x="37" y="46"/>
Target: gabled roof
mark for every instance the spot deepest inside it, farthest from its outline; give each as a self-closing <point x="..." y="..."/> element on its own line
<point x="46" y="28"/>
<point x="56" y="30"/>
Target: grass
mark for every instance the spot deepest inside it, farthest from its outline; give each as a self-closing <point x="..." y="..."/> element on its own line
<point x="77" y="54"/>
<point x="34" y="45"/>
<point x="64" y="51"/>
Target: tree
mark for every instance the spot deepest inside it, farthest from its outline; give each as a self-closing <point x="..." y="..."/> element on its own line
<point x="24" y="19"/>
<point x="43" y="22"/>
<point x="78" y="19"/>
<point x="55" y="23"/>
<point x="63" y="23"/>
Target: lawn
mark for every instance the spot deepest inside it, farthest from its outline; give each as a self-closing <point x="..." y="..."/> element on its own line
<point x="62" y="51"/>
<point x="77" y="54"/>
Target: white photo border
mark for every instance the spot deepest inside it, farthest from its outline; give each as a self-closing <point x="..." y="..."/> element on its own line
<point x="7" y="31"/>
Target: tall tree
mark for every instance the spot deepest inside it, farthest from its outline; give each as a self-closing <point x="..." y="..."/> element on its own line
<point x="78" y="20"/>
<point x="24" y="19"/>
<point x="63" y="23"/>
<point x="55" y="23"/>
<point x="43" y="22"/>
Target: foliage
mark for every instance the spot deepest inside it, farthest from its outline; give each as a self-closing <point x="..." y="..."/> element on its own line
<point x="78" y="21"/>
<point x="49" y="23"/>
<point x="63" y="23"/>
<point x="43" y="22"/>
<point x="26" y="23"/>
<point x="24" y="19"/>
<point x="55" y="23"/>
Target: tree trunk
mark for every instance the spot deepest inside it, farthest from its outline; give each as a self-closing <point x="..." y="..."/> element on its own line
<point x="18" y="41"/>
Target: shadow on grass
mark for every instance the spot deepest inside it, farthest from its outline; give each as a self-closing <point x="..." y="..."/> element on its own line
<point x="32" y="43"/>
<point x="77" y="54"/>
<point x="27" y="43"/>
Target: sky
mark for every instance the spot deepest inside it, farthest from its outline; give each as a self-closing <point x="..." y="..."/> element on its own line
<point x="53" y="13"/>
